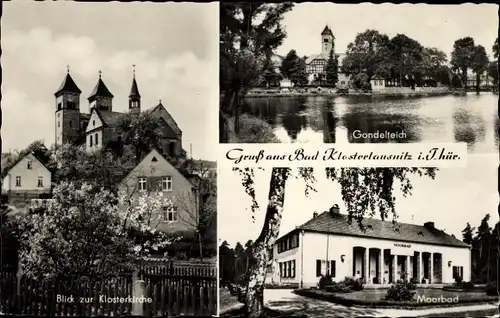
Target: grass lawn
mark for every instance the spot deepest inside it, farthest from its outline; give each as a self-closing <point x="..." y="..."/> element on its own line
<point x="375" y="298"/>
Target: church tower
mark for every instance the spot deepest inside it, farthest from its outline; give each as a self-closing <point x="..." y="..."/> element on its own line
<point x="327" y="41"/>
<point x="134" y="98"/>
<point x="101" y="98"/>
<point x="67" y="115"/>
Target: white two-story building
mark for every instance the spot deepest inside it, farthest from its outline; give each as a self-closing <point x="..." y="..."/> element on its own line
<point x="382" y="253"/>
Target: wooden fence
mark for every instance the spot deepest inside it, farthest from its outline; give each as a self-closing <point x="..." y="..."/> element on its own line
<point x="167" y="291"/>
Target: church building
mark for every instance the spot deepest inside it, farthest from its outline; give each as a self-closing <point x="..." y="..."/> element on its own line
<point x="381" y="254"/>
<point x="96" y="128"/>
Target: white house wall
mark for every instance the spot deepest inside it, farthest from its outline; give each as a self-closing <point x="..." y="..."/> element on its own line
<point x="313" y="247"/>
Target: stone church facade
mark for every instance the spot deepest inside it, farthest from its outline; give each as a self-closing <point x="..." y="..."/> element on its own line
<point x="96" y="128"/>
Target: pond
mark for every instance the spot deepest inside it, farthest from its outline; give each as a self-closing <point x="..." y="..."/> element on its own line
<point x="355" y="119"/>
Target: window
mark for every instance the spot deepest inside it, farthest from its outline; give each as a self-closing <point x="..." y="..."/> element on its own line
<point x="323" y="268"/>
<point x="40" y="181"/>
<point x="281" y="269"/>
<point x="58" y="124"/>
<point x="59" y="106"/>
<point x="166" y="184"/>
<point x="142" y="183"/>
<point x="458" y="271"/>
<point x="70" y="105"/>
<point x="287" y="269"/>
<point x="18" y="181"/>
<point x="96" y="139"/>
<point x="170" y="214"/>
<point x="325" y="40"/>
<point x="30" y="164"/>
<point x="93" y="123"/>
<point x="287" y="243"/>
<point x="90" y="140"/>
<point x="58" y="115"/>
<point x="71" y="123"/>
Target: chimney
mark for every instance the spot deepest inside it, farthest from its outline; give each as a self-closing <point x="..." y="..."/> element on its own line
<point x="335" y="210"/>
<point x="315" y="214"/>
<point x="429" y="225"/>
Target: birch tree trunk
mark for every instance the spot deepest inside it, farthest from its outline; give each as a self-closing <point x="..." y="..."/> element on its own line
<point x="254" y="298"/>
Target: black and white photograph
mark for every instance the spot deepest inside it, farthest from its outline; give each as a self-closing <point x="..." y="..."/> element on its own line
<point x="359" y="242"/>
<point x="359" y="73"/>
<point x="109" y="195"/>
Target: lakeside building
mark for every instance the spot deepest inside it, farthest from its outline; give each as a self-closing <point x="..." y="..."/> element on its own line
<point x="316" y="63"/>
<point x="381" y="254"/>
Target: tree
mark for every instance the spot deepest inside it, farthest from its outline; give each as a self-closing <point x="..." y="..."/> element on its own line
<point x="367" y="54"/>
<point x="269" y="75"/>
<point x="433" y="64"/>
<point x="78" y="236"/>
<point x="226" y="263"/>
<point x="479" y="64"/>
<point x="493" y="73"/>
<point x="495" y="49"/>
<point x="331" y="70"/>
<point x="483" y="239"/>
<point x="248" y="33"/>
<point x="200" y="206"/>
<point x="406" y="55"/>
<point x="139" y="134"/>
<point x="462" y="56"/>
<point x="289" y="66"/>
<point x="141" y="215"/>
<point x="101" y="168"/>
<point x="467" y="234"/>
<point x="298" y="73"/>
<point x="365" y="191"/>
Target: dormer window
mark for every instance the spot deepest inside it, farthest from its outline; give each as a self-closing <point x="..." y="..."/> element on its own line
<point x="370" y="227"/>
<point x="421" y="233"/>
<point x="396" y="229"/>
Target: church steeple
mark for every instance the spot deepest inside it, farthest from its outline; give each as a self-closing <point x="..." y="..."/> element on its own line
<point x="68" y="85"/>
<point x="67" y="115"/>
<point x="134" y="98"/>
<point x="327" y="41"/>
<point x="101" y="98"/>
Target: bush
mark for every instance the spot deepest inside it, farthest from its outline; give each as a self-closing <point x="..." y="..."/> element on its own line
<point x="401" y="291"/>
<point x="467" y="285"/>
<point x="353" y="284"/>
<point x="255" y="130"/>
<point x="325" y="281"/>
<point x="338" y="288"/>
<point x="491" y="289"/>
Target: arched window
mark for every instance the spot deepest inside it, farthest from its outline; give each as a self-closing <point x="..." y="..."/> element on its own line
<point x="71" y="123"/>
<point x="96" y="139"/>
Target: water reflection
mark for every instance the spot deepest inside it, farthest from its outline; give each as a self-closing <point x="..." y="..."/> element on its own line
<point x="472" y="119"/>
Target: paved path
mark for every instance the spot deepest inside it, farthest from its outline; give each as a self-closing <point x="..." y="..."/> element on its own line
<point x="285" y="300"/>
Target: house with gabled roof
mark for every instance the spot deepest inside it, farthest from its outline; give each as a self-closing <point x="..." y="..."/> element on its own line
<point x="379" y="253"/>
<point x="26" y="179"/>
<point x="96" y="129"/>
<point x="156" y="174"/>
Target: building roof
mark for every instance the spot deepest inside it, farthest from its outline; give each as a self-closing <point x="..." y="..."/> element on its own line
<point x="108" y="118"/>
<point x="134" y="90"/>
<point x="325" y="57"/>
<point x="327" y="222"/>
<point x="166" y="116"/>
<point x="6" y="170"/>
<point x="327" y="31"/>
<point x="100" y="90"/>
<point x="68" y="85"/>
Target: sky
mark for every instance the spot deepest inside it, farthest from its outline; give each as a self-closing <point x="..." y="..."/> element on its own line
<point x="456" y="196"/>
<point x="432" y="25"/>
<point x="173" y="45"/>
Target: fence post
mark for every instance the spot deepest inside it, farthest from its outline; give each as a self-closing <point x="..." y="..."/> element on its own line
<point x="139" y="292"/>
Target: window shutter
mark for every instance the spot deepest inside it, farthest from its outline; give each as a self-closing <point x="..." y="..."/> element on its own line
<point x="318" y="268"/>
<point x="332" y="268"/>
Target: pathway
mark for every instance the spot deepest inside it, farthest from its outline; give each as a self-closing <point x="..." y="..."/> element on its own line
<point x="285" y="300"/>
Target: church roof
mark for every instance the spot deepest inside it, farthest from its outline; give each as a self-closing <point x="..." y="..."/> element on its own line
<point x="134" y="90"/>
<point x="338" y="224"/>
<point x="100" y="90"/>
<point x="108" y="118"/>
<point x="68" y="85"/>
<point x="166" y="116"/>
<point x="327" y="31"/>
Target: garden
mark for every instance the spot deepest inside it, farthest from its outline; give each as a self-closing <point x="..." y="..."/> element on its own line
<point x="403" y="295"/>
